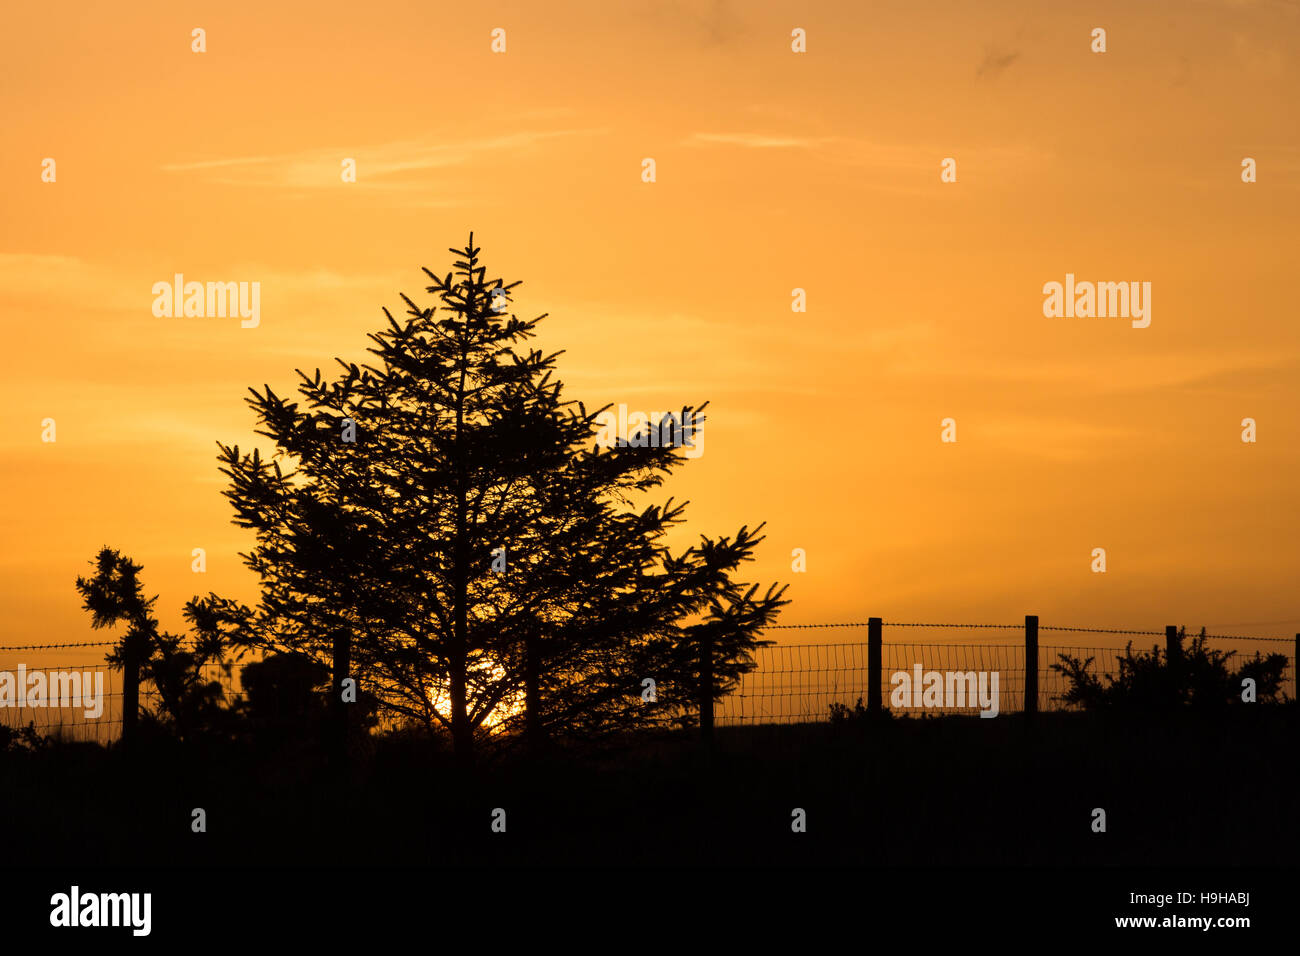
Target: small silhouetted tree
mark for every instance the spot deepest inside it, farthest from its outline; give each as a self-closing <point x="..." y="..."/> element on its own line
<point x="188" y="702"/>
<point x="448" y="509"/>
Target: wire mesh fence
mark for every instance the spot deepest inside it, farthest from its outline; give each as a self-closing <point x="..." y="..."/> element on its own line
<point x="798" y="683"/>
<point x="80" y="702"/>
<point x="790" y="683"/>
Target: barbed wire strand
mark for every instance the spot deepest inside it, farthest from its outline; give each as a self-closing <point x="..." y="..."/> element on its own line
<point x="46" y="647"/>
<point x="787" y="627"/>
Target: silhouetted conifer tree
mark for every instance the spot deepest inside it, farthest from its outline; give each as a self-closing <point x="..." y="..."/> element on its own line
<point x="453" y="513"/>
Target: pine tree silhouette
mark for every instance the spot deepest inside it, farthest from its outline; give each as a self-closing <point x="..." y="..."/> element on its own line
<point x="450" y="510"/>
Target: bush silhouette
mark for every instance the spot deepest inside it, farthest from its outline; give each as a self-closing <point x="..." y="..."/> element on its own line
<point x="288" y="695"/>
<point x="285" y="691"/>
<point x="1198" y="677"/>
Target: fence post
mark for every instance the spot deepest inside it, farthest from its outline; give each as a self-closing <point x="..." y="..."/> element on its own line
<point x="130" y="688"/>
<point x="1173" y="646"/>
<point x="342" y="662"/>
<point x="1031" y="664"/>
<point x="706" y="687"/>
<point x="1295" y="666"/>
<point x="873" y="665"/>
<point x="1174" y="654"/>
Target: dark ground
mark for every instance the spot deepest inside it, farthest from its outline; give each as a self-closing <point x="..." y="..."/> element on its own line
<point x="1184" y="790"/>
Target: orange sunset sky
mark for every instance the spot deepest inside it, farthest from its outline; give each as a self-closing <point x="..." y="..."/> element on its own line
<point x="776" y="170"/>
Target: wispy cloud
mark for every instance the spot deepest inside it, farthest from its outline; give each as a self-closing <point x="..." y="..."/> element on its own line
<point x="1116" y="374"/>
<point x="380" y="167"/>
<point x="59" y="281"/>
<point x="758" y="140"/>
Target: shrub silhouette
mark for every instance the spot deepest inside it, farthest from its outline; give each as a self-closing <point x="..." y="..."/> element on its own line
<point x="288" y="694"/>
<point x="285" y="690"/>
<point x="13" y="739"/>
<point x="1199" y="677"/>
<point x="842" y="713"/>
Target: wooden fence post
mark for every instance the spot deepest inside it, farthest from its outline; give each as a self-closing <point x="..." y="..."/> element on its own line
<point x="1295" y="667"/>
<point x="873" y="665"/>
<point x="1031" y="664"/>
<point x="706" y="687"/>
<point x="1174" y="655"/>
<point x="130" y="688"/>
